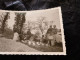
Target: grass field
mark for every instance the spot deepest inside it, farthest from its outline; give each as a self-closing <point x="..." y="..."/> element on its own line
<point x="56" y="48"/>
<point x="9" y="45"/>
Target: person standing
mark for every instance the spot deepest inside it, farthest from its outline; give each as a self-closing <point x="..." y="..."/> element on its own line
<point x="54" y="31"/>
<point x="49" y="35"/>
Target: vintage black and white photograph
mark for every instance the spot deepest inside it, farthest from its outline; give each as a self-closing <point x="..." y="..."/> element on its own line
<point x="37" y="32"/>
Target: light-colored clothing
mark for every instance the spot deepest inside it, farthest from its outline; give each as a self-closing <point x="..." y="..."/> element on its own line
<point x="53" y="40"/>
<point x="50" y="37"/>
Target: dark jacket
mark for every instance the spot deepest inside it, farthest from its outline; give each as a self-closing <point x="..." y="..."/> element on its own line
<point x="49" y="31"/>
<point x="54" y="31"/>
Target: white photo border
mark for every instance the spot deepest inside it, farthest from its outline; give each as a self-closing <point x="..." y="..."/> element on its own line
<point x="41" y="53"/>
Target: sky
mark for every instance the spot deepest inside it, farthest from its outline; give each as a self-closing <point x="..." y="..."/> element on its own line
<point x="49" y="14"/>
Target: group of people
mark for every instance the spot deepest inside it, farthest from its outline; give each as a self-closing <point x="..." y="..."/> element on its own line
<point x="50" y="36"/>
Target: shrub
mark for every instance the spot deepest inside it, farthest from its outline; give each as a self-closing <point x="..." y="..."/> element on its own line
<point x="8" y="33"/>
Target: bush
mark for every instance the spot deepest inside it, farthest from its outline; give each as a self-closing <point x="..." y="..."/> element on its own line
<point x="8" y="33"/>
<point x="58" y="44"/>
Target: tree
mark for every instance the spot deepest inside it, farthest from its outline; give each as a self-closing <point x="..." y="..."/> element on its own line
<point x="22" y="22"/>
<point x="29" y="25"/>
<point x="19" y="22"/>
<point x="41" y="21"/>
<point x="52" y="22"/>
<point x="4" y="21"/>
